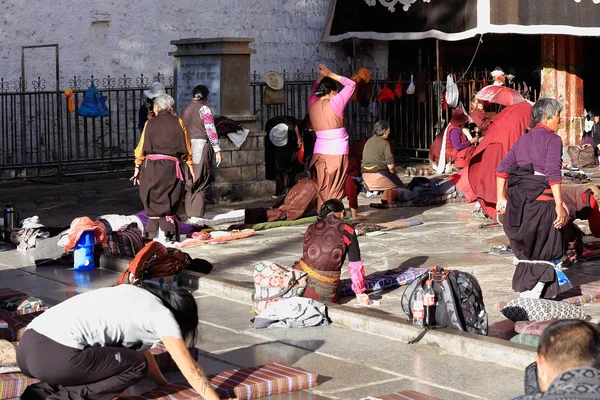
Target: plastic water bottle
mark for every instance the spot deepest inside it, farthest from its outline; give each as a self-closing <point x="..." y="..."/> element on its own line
<point x="429" y="304"/>
<point x="83" y="253"/>
<point x="418" y="312"/>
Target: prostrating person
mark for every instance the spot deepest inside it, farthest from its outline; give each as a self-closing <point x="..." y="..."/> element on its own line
<point x="200" y="126"/>
<point x="281" y="146"/>
<point x="160" y="155"/>
<point x="534" y="211"/>
<point x="96" y="344"/>
<point x="329" y="164"/>
<point x="327" y="242"/>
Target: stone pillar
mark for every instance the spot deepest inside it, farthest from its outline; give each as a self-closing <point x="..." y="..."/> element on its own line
<point x="223" y="65"/>
<point x="562" y="62"/>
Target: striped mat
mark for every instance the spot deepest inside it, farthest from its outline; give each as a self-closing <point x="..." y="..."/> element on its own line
<point x="407" y="395"/>
<point x="586" y="293"/>
<point x="384" y="280"/>
<point x="16" y="324"/>
<point x="244" y="383"/>
<point x="14" y="384"/>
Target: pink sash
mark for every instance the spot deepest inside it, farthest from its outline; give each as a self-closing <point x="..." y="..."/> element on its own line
<point x="332" y="142"/>
<point x="164" y="157"/>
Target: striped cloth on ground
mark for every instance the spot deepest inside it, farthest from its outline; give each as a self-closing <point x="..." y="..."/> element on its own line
<point x="406" y="395"/>
<point x="384" y="280"/>
<point x="586" y="293"/>
<point x="13" y="385"/>
<point x="243" y="383"/>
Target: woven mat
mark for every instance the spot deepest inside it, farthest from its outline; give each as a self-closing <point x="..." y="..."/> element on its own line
<point x="586" y="293"/>
<point x="261" y="226"/>
<point x="219" y="239"/>
<point x="384" y="280"/>
<point x="14" y="384"/>
<point x="407" y="395"/>
<point x="16" y="324"/>
<point x="433" y="202"/>
<point x="244" y="383"/>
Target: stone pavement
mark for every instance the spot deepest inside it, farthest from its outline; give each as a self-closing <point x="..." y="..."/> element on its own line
<point x="351" y="364"/>
<point x="449" y="236"/>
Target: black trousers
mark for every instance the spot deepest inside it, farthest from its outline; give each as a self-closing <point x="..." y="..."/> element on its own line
<point x="68" y="373"/>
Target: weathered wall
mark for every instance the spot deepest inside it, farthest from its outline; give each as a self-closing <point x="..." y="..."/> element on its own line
<point x="131" y="37"/>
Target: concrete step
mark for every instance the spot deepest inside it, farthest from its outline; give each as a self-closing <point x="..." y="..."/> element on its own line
<point x="370" y="320"/>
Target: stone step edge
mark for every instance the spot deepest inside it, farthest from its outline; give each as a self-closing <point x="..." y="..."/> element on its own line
<point x="372" y="321"/>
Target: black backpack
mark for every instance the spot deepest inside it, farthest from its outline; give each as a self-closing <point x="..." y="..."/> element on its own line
<point x="459" y="301"/>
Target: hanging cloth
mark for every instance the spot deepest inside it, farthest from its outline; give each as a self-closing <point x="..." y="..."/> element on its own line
<point x="93" y="104"/>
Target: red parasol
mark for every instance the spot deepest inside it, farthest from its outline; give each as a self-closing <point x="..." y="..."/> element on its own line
<point x="499" y="95"/>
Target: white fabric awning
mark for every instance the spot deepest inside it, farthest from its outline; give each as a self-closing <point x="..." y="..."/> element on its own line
<point x="453" y="20"/>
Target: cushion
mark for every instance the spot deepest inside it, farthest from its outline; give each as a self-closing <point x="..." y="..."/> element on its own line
<point x="524" y="309"/>
<point x="8" y="353"/>
<point x="405" y="395"/>
<point x="21" y="303"/>
<point x="535" y="328"/>
<point x="16" y="324"/>
<point x="384" y="280"/>
<point x="523" y="338"/>
<point x="12" y="385"/>
<point x="365" y="227"/>
<point x="586" y="293"/>
<point x="165" y="361"/>
<point x="243" y="383"/>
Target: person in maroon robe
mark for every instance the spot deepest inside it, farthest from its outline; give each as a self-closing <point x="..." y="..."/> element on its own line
<point x="478" y="180"/>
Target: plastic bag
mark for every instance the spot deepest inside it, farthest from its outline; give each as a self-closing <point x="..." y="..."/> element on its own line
<point x="411" y="87"/>
<point x="451" y="92"/>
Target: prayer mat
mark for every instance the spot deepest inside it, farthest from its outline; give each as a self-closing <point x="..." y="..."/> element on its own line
<point x="405" y="395"/>
<point x="277" y="224"/>
<point x="165" y="361"/>
<point x="12" y="385"/>
<point x="220" y="219"/>
<point x="243" y="383"/>
<point x="218" y="239"/>
<point x="399" y="224"/>
<point x="535" y="328"/>
<point x="16" y="324"/>
<point x="586" y="293"/>
<point x="384" y="280"/>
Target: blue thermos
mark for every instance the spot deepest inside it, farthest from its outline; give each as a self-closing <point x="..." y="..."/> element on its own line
<point x="83" y="253"/>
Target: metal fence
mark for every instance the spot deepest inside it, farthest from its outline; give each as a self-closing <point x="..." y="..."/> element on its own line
<point x="414" y="123"/>
<point x="39" y="136"/>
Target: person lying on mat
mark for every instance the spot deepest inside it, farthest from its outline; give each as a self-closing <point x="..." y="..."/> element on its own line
<point x="326" y="244"/>
<point x="378" y="166"/>
<point x="96" y="344"/>
<point x="114" y="222"/>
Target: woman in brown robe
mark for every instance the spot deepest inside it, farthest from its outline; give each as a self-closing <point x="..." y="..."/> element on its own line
<point x="163" y="147"/>
<point x="326" y="244"/>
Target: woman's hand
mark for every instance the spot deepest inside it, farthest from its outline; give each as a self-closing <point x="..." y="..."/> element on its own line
<point x="363" y="299"/>
<point x="324" y="71"/>
<point x="136" y="176"/>
<point x="189" y="367"/>
<point x="218" y="158"/>
<point x="501" y="205"/>
<point x="561" y="216"/>
<point x="475" y="140"/>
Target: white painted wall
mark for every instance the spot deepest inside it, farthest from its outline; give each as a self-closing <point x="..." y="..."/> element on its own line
<point x="116" y="37"/>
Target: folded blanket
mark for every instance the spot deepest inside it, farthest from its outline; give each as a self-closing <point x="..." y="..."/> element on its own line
<point x="578" y="295"/>
<point x="219" y="219"/>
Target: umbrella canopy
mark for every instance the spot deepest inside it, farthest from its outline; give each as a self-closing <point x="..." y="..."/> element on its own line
<point x="499" y="95"/>
<point x="458" y="19"/>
